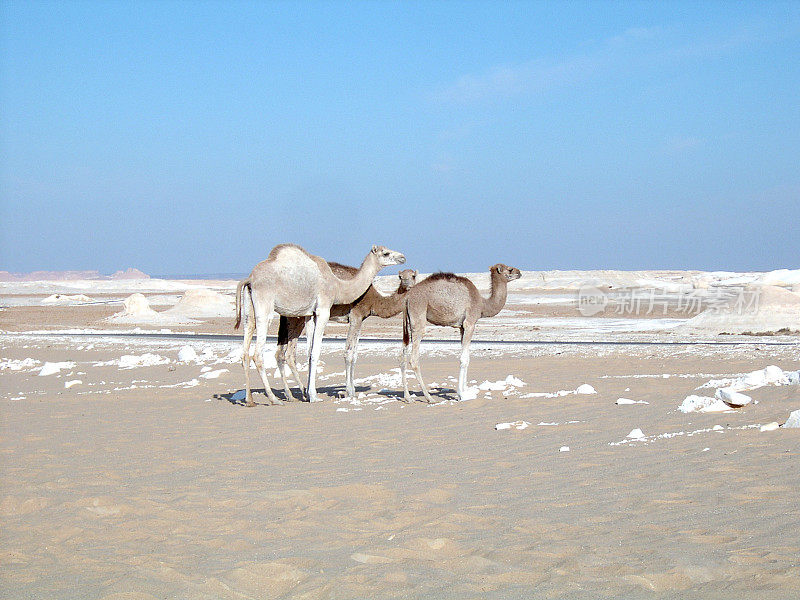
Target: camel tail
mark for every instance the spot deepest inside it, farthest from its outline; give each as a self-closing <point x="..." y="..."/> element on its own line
<point x="240" y="301"/>
<point x="406" y="326"/>
<point x="283" y="331"/>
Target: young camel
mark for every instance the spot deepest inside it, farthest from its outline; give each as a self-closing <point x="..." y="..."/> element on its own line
<point x="449" y="300"/>
<point x="372" y="303"/>
<point x="294" y="283"/>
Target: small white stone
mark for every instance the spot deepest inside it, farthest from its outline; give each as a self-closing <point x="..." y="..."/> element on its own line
<point x="187" y="354"/>
<point x="564" y="449"/>
<point x="793" y="421"/>
<point x="629" y="401"/>
<point x="71" y="382"/>
<point x="213" y="374"/>
<point x="515" y="381"/>
<point x="636" y="434"/>
<point x="51" y="368"/>
<point x="769" y="426"/>
<point x="514" y="424"/>
<point x="717" y="428"/>
<point x="732" y="397"/>
<point x="585" y="389"/>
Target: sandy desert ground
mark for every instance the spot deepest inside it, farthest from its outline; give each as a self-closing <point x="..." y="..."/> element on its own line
<point x="130" y="468"/>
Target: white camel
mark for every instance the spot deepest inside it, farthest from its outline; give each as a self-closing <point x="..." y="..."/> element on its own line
<point x="294" y="283"/>
<point x="371" y="303"/>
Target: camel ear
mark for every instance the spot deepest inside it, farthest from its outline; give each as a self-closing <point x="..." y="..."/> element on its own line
<point x="499" y="268"/>
<point x="374" y="249"/>
<point x="416" y="273"/>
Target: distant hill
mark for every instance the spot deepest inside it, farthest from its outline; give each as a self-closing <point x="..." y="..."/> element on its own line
<point x="71" y="275"/>
<point x="130" y="273"/>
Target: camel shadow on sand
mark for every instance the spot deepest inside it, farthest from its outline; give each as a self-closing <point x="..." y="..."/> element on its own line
<point x="331" y="392"/>
<point x="438" y="392"/>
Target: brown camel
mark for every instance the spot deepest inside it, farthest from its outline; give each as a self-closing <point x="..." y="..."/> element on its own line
<point x="294" y="283"/>
<point x="372" y="303"/>
<point x="449" y="300"/>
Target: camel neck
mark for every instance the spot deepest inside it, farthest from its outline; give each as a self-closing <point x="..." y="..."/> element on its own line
<point x="386" y="307"/>
<point x="497" y="299"/>
<point x="349" y="290"/>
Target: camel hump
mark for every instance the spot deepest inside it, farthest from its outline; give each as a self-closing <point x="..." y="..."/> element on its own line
<point x="282" y="249"/>
<point x="448" y="280"/>
<point x="451" y="277"/>
<point x="294" y="255"/>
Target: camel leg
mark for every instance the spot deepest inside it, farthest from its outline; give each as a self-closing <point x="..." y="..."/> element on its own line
<point x="297" y="326"/>
<point x="351" y="353"/>
<point x="467" y="329"/>
<point x="280" y="353"/>
<point x="289" y="330"/>
<point x="403" y="365"/>
<point x="320" y="320"/>
<point x="263" y="314"/>
<point x="405" y="356"/>
<point x="249" y="329"/>
<point x="417" y="332"/>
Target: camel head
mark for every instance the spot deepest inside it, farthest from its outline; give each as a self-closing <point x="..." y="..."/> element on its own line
<point x="387" y="257"/>
<point x="408" y="277"/>
<point x="506" y="272"/>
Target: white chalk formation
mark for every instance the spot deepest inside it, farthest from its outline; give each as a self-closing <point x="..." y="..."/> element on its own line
<point x="636" y="434"/>
<point x="65" y="299"/>
<point x="195" y="304"/>
<point x="202" y="303"/>
<point x="136" y="310"/>
<point x="793" y="422"/>
<point x="694" y="403"/>
<point x="187" y="354"/>
<point x="583" y="389"/>
<point x="512" y="425"/>
<point x="759" y="309"/>
<point x="728" y="394"/>
<point x="507" y="385"/>
<point x="732" y="397"/>
<point x="623" y="401"/>
<point x="52" y="368"/>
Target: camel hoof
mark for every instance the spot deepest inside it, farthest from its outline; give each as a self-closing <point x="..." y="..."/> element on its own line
<point x="250" y="403"/>
<point x="277" y="402"/>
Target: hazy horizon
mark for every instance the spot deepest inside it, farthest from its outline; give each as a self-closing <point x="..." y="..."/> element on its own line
<point x="193" y="137"/>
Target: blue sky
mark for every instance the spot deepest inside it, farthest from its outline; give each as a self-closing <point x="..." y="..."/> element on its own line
<point x="191" y="137"/>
